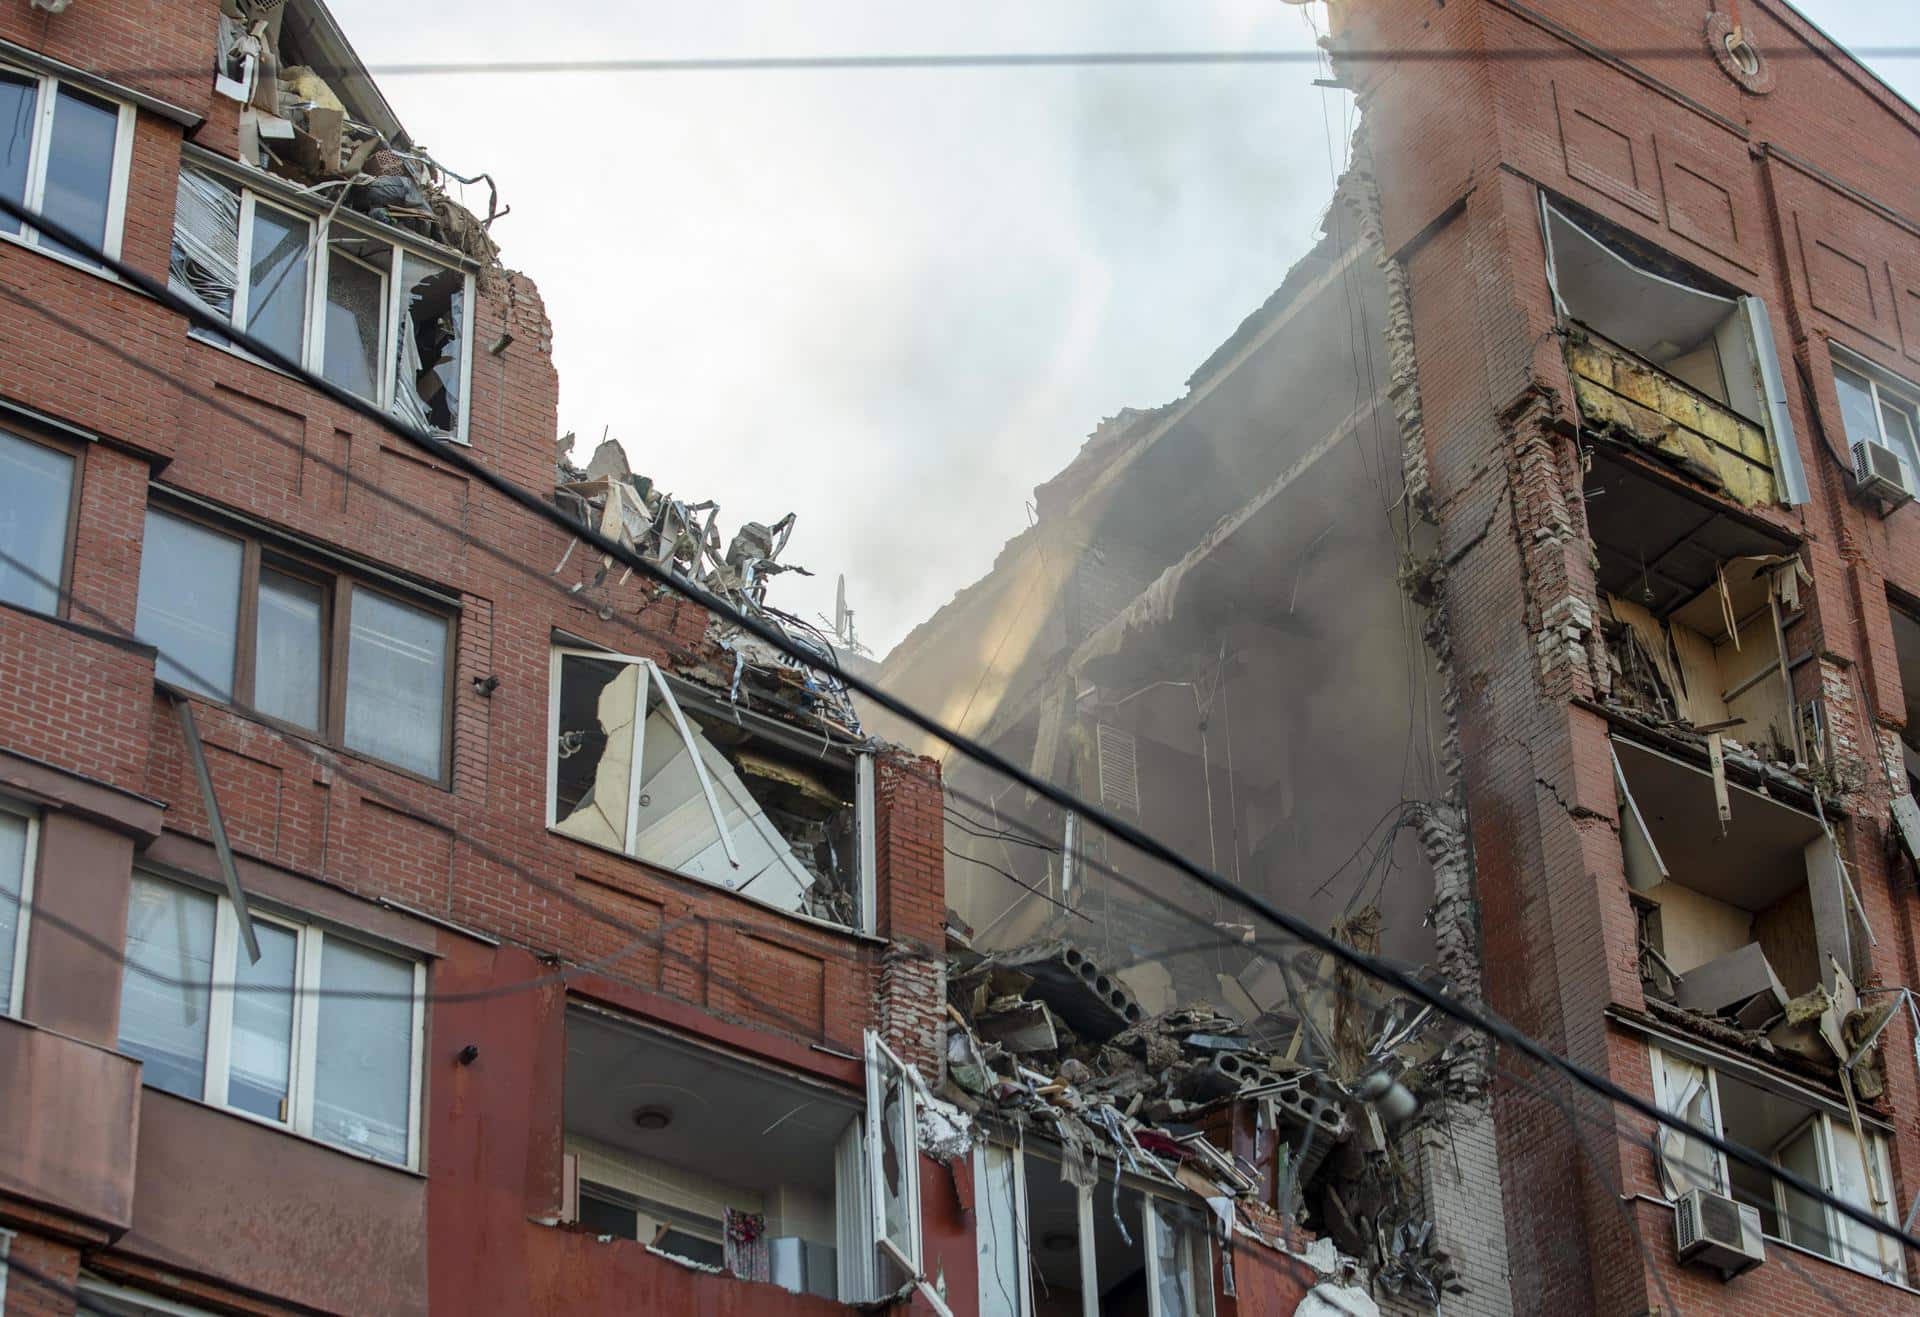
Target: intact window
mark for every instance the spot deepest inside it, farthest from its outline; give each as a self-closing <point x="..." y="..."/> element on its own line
<point x="64" y="153"/>
<point x="380" y="320"/>
<point x="36" y="511"/>
<point x="18" y="833"/>
<point x="320" y="1035"/>
<point x="1878" y="410"/>
<point x="238" y="620"/>
<point x="704" y="795"/>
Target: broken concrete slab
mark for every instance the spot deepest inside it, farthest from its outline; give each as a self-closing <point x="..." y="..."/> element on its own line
<point x="1731" y="982"/>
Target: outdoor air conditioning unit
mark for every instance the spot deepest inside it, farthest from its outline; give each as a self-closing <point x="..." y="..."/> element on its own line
<point x="1715" y="1231"/>
<point x="1879" y="472"/>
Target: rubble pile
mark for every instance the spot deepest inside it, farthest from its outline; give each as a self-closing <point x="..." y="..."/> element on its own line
<point x="1048" y="1040"/>
<point x="683" y="537"/>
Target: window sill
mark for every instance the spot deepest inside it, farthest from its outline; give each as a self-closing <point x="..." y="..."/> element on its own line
<point x="409" y="1171"/>
<point x="98" y="272"/>
<point x="813" y="921"/>
<point x="309" y="741"/>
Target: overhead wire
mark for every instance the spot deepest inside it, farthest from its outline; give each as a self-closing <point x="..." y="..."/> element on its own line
<point x="455" y="455"/>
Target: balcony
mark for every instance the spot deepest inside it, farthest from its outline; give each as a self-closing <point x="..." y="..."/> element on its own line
<point x="1638" y="403"/>
<point x="74" y="1109"/>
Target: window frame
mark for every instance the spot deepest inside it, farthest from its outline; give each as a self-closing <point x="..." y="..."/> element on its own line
<point x="1022" y="1231"/>
<point x="46" y="100"/>
<point x="324" y="227"/>
<point x="649" y="671"/>
<point x="338" y="582"/>
<point x="1881" y="382"/>
<point x="12" y="428"/>
<point x="1823" y="1121"/>
<point x="29" y="866"/>
<point x="883" y="1066"/>
<point x="303" y="1050"/>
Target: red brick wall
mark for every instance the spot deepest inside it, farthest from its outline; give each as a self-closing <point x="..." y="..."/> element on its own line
<point x="1809" y="197"/>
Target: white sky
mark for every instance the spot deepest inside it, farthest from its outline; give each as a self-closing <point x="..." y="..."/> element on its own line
<point x="891" y="302"/>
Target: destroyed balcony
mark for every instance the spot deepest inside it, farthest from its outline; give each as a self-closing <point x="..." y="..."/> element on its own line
<point x="1670" y="361"/>
<point x="660" y="771"/>
<point x="1631" y="400"/>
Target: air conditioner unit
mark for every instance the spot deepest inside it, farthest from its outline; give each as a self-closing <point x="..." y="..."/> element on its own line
<point x="1715" y="1231"/>
<point x="1879" y="472"/>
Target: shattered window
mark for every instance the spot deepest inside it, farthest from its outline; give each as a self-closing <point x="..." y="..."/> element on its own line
<point x="205" y="261"/>
<point x="277" y="280"/>
<point x="1183" y="1281"/>
<point x="427" y="374"/>
<point x="699" y="794"/>
<point x="355" y="314"/>
<point x="893" y="1153"/>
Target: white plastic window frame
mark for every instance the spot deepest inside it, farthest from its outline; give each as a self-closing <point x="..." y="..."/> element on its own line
<point x="1669" y="1102"/>
<point x="1144" y="1241"/>
<point x="884" y="1067"/>
<point x="1884" y="383"/>
<point x="147" y="1305"/>
<point x="322" y="229"/>
<point x="301" y="1066"/>
<point x="986" y="1203"/>
<point x="652" y="678"/>
<point x="1824" y="1123"/>
<point x="17" y="983"/>
<point x="47" y="99"/>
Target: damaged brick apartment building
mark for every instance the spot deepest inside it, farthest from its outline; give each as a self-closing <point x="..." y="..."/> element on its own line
<point x="404" y="907"/>
<point x="1529" y="591"/>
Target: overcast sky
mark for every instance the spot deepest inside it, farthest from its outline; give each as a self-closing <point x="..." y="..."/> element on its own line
<point x="892" y="302"/>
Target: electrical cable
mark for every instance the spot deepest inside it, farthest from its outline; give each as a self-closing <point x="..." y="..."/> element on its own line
<point x="457" y="456"/>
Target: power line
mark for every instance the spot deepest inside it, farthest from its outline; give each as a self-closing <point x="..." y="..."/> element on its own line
<point x="457" y="456"/>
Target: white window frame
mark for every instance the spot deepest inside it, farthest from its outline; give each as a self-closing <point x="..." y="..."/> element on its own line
<point x="650" y="677"/>
<point x="304" y="1054"/>
<point x="322" y="228"/>
<point x="1022" y="1228"/>
<point x="1824" y="1122"/>
<point x="47" y="96"/>
<point x="150" y="1305"/>
<point x="1183" y="1242"/>
<point x="1668" y="1101"/>
<point x="1905" y="394"/>
<point x="17" y="985"/>
<point x="883" y="1065"/>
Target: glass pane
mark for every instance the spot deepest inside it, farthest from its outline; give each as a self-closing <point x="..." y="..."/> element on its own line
<point x="1689" y="1163"/>
<point x="277" y="281"/>
<point x="190" y="603"/>
<point x="427" y="374"/>
<point x="13" y="872"/>
<point x="603" y="1217"/>
<point x="164" y="989"/>
<point x="289" y="645"/>
<point x="1861" y="1246"/>
<point x="36" y="495"/>
<point x="262" y="1047"/>
<point x="363" y="1058"/>
<point x="898" y="1148"/>
<point x="997" y="1228"/>
<point x="1174" y="1292"/>
<point x="19" y="98"/>
<point x="396" y="682"/>
<point x="80" y="168"/>
<point x="594" y="753"/>
<point x="1806" y="1219"/>
<point x="205" y="260"/>
<point x="1856" y="406"/>
<point x="356" y="305"/>
<point x="1899" y="430"/>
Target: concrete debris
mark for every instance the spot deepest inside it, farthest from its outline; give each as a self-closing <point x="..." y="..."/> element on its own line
<point x="684" y="538"/>
<point x="296" y="123"/>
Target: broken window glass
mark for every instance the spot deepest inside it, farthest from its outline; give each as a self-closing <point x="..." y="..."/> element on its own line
<point x="19" y="97"/>
<point x="893" y="1153"/>
<point x="79" y="182"/>
<point x="205" y="262"/>
<point x="277" y="280"/>
<point x="355" y="313"/>
<point x="594" y="755"/>
<point x="701" y="795"/>
<point x="427" y="372"/>
<point x="1686" y="1090"/>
